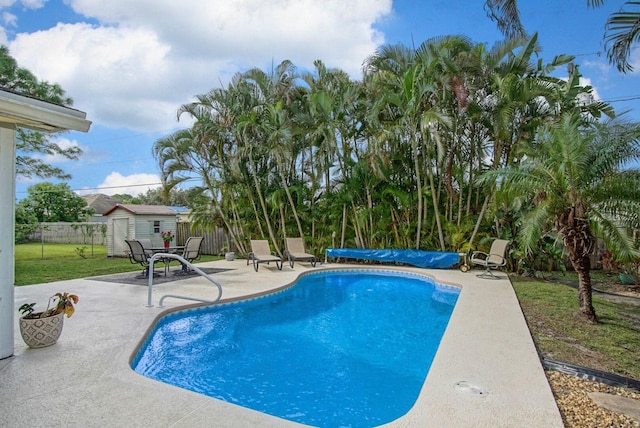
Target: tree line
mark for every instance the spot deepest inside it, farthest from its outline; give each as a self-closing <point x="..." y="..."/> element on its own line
<point x="419" y="153"/>
<point x="50" y="203"/>
<point x="444" y="146"/>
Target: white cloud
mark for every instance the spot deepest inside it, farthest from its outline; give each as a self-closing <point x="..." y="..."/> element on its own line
<point x="584" y="81"/>
<point x="9" y="19"/>
<point x="27" y="180"/>
<point x="63" y="143"/>
<point x="150" y="56"/>
<point x="600" y="67"/>
<point x="634" y="60"/>
<point x="133" y="184"/>
<point x="118" y="82"/>
<point x="27" y="4"/>
<point x="33" y="4"/>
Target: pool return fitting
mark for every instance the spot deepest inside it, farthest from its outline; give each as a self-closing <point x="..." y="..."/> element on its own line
<point x="178" y="296"/>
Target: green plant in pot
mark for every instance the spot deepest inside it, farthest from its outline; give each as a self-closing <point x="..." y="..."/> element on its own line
<point x="41" y="329"/>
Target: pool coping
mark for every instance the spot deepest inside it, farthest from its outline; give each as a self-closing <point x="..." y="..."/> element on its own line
<point x="486" y="371"/>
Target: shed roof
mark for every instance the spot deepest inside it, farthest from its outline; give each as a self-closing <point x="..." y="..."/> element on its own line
<point x="142" y="209"/>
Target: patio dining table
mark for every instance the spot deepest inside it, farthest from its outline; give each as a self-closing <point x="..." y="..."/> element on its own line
<point x="170" y="250"/>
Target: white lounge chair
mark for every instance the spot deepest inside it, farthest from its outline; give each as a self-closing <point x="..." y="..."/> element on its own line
<point x="261" y="253"/>
<point x="296" y="251"/>
<point x="492" y="260"/>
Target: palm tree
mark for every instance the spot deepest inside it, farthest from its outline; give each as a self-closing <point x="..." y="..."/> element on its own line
<point x="622" y="29"/>
<point x="267" y="130"/>
<point x="277" y="128"/>
<point x="573" y="179"/>
<point x="411" y="117"/>
<point x="507" y="16"/>
<point x="621" y="32"/>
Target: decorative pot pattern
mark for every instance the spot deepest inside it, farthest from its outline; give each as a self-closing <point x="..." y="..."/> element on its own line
<point x="41" y="332"/>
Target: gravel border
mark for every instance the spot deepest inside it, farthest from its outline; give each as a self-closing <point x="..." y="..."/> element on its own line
<point x="580" y="411"/>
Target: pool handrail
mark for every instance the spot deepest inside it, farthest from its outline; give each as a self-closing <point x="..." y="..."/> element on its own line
<point x="178" y="296"/>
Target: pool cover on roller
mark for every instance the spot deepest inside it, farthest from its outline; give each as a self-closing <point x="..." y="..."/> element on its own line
<point x="420" y="258"/>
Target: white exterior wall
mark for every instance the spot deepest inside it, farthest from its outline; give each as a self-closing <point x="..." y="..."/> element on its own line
<point x="7" y="249"/>
<point x="116" y="215"/>
<point x="145" y="227"/>
<point x="139" y="227"/>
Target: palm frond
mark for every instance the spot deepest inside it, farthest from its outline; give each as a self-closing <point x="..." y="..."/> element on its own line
<point x="506" y="15"/>
<point x="622" y="30"/>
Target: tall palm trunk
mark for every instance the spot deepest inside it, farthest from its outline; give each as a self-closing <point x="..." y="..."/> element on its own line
<point x="343" y="232"/>
<point x="291" y="203"/>
<point x="360" y="242"/>
<point x="263" y="204"/>
<point x="416" y="166"/>
<point x="436" y="211"/>
<point x="583" y="267"/>
<point x="237" y="224"/>
<point x="579" y="242"/>
<point x="483" y="210"/>
<point x="254" y="207"/>
<point x="221" y="213"/>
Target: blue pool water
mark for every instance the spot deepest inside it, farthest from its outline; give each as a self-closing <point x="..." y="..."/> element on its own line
<point x="339" y="348"/>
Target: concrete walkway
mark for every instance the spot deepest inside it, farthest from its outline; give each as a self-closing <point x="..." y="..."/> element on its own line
<point x="486" y="372"/>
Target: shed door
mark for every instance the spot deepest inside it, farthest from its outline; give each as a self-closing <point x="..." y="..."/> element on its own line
<point x="120" y="226"/>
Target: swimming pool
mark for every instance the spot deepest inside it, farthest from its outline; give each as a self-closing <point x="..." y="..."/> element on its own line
<point x="338" y="348"/>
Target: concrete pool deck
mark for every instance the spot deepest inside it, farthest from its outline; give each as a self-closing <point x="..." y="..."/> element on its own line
<point x="486" y="372"/>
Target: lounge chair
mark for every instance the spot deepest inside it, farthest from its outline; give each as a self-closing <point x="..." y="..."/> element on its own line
<point x="492" y="260"/>
<point x="260" y="253"/>
<point x="137" y="255"/>
<point x="296" y="251"/>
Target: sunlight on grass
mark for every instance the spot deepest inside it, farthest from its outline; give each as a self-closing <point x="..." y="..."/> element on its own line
<point x="37" y="263"/>
<point x="560" y="334"/>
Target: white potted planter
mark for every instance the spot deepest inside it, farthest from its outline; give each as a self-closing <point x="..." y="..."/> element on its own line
<point x="229" y="256"/>
<point x="41" y="329"/>
<point x="41" y="332"/>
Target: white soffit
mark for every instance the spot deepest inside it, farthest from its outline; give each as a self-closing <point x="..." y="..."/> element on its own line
<point x="19" y="111"/>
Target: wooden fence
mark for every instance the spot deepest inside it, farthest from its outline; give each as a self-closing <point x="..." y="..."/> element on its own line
<point x="215" y="243"/>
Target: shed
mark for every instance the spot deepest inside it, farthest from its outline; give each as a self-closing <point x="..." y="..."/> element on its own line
<point x="125" y="221"/>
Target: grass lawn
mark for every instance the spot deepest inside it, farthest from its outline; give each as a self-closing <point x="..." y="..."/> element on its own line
<point x="551" y="306"/>
<point x="37" y="263"/>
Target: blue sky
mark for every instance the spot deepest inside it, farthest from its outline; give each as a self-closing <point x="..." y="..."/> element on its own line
<point x="130" y="64"/>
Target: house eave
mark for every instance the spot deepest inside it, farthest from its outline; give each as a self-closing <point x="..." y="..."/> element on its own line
<point x="19" y="111"/>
